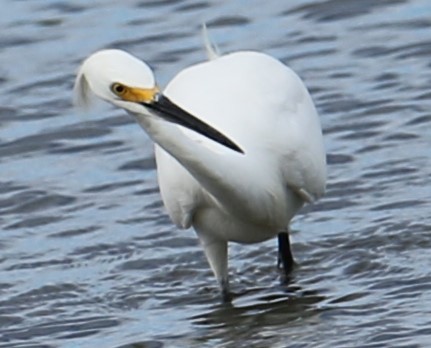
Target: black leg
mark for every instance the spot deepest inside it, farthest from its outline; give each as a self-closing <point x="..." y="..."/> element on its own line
<point x="225" y="291"/>
<point x="285" y="257"/>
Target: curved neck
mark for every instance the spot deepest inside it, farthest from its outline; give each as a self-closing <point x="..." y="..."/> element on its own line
<point x="205" y="159"/>
<point x="239" y="185"/>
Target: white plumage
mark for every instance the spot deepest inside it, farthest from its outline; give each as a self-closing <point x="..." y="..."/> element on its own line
<point x="253" y="100"/>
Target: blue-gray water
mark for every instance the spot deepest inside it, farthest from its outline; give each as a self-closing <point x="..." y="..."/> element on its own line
<point x="88" y="256"/>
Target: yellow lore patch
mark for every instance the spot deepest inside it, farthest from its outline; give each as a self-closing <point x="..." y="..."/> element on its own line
<point x="135" y="94"/>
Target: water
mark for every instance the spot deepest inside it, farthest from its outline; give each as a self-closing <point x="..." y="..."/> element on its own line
<point x="88" y="256"/>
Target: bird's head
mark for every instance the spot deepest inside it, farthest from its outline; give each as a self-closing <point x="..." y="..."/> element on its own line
<point x="117" y="77"/>
<point x="129" y="83"/>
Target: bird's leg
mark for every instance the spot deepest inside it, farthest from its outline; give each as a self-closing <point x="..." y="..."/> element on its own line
<point x="225" y="290"/>
<point x="285" y="257"/>
<point x="216" y="254"/>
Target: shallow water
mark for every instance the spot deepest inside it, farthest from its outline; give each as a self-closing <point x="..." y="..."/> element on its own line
<point x="88" y="256"/>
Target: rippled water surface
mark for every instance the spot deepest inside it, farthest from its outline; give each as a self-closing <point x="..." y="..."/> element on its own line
<point x="88" y="256"/>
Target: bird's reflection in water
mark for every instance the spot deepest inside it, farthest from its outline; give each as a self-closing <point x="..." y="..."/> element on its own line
<point x="254" y="307"/>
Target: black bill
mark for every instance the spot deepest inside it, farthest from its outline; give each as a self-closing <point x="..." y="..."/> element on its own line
<point x="171" y="112"/>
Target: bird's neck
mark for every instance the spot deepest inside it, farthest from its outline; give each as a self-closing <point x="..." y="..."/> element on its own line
<point x="231" y="178"/>
<point x="207" y="164"/>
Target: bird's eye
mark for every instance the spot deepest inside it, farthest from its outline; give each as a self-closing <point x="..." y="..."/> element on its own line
<point x="118" y="88"/>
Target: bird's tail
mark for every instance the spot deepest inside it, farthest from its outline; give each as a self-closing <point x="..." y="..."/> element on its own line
<point x="210" y="47"/>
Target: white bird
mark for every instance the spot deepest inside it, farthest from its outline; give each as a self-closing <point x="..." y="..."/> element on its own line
<point x="239" y="145"/>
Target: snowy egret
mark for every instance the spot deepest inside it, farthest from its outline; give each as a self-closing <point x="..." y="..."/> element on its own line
<point x="239" y="146"/>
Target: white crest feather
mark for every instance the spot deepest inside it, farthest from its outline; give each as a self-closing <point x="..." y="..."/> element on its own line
<point x="210" y="47"/>
<point x="82" y="92"/>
